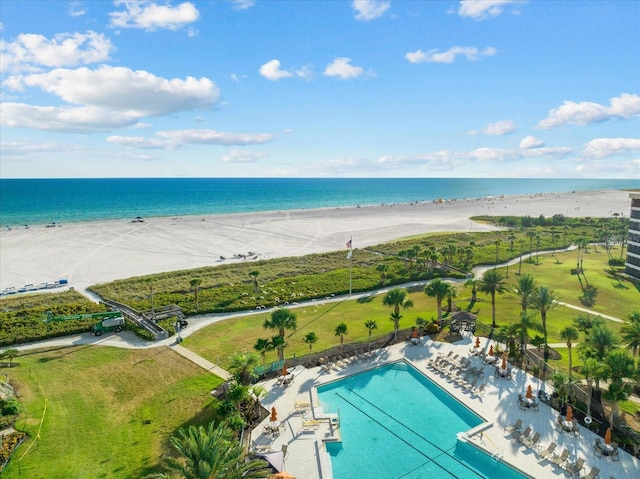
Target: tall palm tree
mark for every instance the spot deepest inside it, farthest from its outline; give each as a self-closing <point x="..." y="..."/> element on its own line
<point x="263" y="346"/>
<point x="310" y="338"/>
<point x="525" y="289"/>
<point x="584" y="323"/>
<point x="341" y="330"/>
<point x="621" y="369"/>
<point x="543" y="300"/>
<point x="395" y="317"/>
<point x="600" y="341"/>
<point x="211" y="453"/>
<point x="195" y="283"/>
<point x="631" y="332"/>
<point x="281" y="320"/>
<point x="526" y="322"/>
<point x="473" y="284"/>
<point x="371" y="324"/>
<point x="254" y="276"/>
<point x="242" y="365"/>
<point x="438" y="289"/>
<point x="531" y="235"/>
<point x="492" y="283"/>
<point x="497" y="242"/>
<point x="569" y="334"/>
<point x="396" y="299"/>
<point x="593" y="370"/>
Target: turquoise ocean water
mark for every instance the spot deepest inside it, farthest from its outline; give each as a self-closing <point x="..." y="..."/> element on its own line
<point x="38" y="201"/>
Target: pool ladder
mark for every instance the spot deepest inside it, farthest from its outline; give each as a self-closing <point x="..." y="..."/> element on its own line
<point x="497" y="454"/>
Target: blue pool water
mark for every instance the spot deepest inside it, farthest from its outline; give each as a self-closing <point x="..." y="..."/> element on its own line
<point x="396" y="423"/>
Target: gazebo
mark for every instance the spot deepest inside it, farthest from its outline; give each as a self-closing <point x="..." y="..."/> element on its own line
<point x="463" y="321"/>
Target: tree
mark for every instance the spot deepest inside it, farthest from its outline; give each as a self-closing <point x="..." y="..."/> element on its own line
<point x="543" y="300"/>
<point x="151" y="281"/>
<point x="10" y="354"/>
<point x="263" y="346"/>
<point x="438" y="289"/>
<point x="593" y="370"/>
<point x="310" y="338"/>
<point x="492" y="283"/>
<point x="525" y="289"/>
<point x="195" y="283"/>
<point x="631" y="332"/>
<point x="382" y="268"/>
<point x="281" y="320"/>
<point x="371" y="324"/>
<point x="396" y="298"/>
<point x="497" y="242"/>
<point x="620" y="368"/>
<point x="473" y="284"/>
<point x="531" y="235"/>
<point x="599" y="342"/>
<point x="254" y="276"/>
<point x="569" y="334"/>
<point x="584" y="323"/>
<point x="211" y="453"/>
<point x="242" y="365"/>
<point x="526" y="322"/>
<point x="341" y="330"/>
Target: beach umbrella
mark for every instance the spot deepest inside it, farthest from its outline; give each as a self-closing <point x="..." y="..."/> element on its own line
<point x="491" y="350"/>
<point x="477" y="342"/>
<point x="607" y="436"/>
<point x="529" y="392"/>
<point x="504" y="362"/>
<point x="274" y="414"/>
<point x="414" y="333"/>
<point x="284" y="370"/>
<point x="569" y="413"/>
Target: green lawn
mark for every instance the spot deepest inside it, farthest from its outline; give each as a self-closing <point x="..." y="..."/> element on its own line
<point x="107" y="412"/>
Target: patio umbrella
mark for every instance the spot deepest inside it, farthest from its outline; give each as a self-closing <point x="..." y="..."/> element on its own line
<point x="477" y="342"/>
<point x="414" y="333"/>
<point x="529" y="392"/>
<point x="274" y="414"/>
<point x="282" y="475"/>
<point x="504" y="362"/>
<point x="607" y="436"/>
<point x="491" y="350"/>
<point x="569" y="413"/>
<point x="284" y="370"/>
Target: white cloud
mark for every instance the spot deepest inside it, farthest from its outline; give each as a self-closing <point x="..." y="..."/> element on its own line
<point x="76" y="9"/>
<point x="570" y="113"/>
<point x="604" y="147"/>
<point x="342" y="68"/>
<point x="169" y="139"/>
<point x="433" y="56"/>
<point x="30" y="51"/>
<point x="529" y="142"/>
<point x="243" y="4"/>
<point x="483" y="9"/>
<point x="498" y="128"/>
<point x="370" y="9"/>
<point x="147" y="15"/>
<point x="243" y="156"/>
<point x="271" y="71"/>
<point x="122" y="89"/>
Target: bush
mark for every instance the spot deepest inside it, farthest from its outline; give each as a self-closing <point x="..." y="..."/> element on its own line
<point x="432" y="328"/>
<point x="10" y="407"/>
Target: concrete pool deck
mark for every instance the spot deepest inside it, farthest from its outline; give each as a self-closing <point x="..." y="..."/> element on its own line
<point x="304" y="429"/>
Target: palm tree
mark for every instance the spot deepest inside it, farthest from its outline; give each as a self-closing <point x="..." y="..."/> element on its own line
<point x="526" y="322"/>
<point x="254" y="276"/>
<point x="382" y="268"/>
<point x="531" y="235"/>
<point x="370" y="324"/>
<point x="631" y="332"/>
<point x="511" y="239"/>
<point x="497" y="242"/>
<point x="263" y="346"/>
<point x="522" y="242"/>
<point x="584" y="323"/>
<point x="281" y="319"/>
<point x="525" y="289"/>
<point x="543" y="300"/>
<point x="473" y="284"/>
<point x="397" y="298"/>
<point x="211" y="453"/>
<point x="10" y="354"/>
<point x="492" y="282"/>
<point x="438" y="289"/>
<point x="395" y="317"/>
<point x="242" y="365"/>
<point x="310" y="338"/>
<point x="620" y="368"/>
<point x="599" y="342"/>
<point x="451" y="295"/>
<point x="569" y="334"/>
<point x="194" y="283"/>
<point x="341" y="330"/>
<point x="593" y="370"/>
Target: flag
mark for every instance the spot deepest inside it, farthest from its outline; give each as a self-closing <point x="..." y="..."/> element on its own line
<point x="349" y="244"/>
<point x="349" y="254"/>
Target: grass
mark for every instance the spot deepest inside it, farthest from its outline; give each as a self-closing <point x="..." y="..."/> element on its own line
<point x="107" y="412"/>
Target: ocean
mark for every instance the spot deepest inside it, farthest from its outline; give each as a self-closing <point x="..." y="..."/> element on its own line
<point x="45" y="201"/>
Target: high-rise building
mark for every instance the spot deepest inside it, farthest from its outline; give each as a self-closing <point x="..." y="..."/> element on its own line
<point x="632" y="265"/>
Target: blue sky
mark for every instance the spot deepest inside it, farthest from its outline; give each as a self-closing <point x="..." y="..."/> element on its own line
<point x="379" y="88"/>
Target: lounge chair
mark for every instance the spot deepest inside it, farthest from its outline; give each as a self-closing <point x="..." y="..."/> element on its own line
<point x="310" y="425"/>
<point x="479" y="391"/>
<point x="593" y="474"/>
<point x="546" y="453"/>
<point x="471" y="385"/>
<point x="301" y="405"/>
<point x="520" y="437"/>
<point x="531" y="443"/>
<point x="514" y="427"/>
<point x="559" y="460"/>
<point x="574" y="468"/>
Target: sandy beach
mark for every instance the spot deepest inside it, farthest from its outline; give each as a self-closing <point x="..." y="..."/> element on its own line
<point x="97" y="252"/>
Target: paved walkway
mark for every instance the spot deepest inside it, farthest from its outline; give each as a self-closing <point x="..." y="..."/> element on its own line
<point x="200" y="361"/>
<point x="307" y="458"/>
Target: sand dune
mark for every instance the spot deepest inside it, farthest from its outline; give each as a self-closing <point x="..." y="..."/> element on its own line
<point x="96" y="252"/>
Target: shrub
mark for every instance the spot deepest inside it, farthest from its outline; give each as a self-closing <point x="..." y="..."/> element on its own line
<point x="10" y="407"/>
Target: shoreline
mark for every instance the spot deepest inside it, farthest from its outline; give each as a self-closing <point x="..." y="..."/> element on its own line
<point x="87" y="253"/>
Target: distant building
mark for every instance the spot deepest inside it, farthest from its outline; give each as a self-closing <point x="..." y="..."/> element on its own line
<point x="632" y="266"/>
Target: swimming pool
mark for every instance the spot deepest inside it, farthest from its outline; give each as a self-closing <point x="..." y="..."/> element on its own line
<point x="396" y="423"/>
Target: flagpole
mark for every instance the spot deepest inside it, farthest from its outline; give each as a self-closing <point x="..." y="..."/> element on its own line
<point x="350" y="262"/>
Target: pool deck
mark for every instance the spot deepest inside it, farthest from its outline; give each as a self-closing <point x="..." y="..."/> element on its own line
<point x="304" y="428"/>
